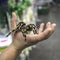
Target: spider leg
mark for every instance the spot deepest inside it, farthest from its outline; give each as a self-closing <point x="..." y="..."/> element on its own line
<point x="35" y="31"/>
<point x="9" y="33"/>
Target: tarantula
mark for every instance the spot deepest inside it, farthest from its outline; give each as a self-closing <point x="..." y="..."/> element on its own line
<point x="22" y="27"/>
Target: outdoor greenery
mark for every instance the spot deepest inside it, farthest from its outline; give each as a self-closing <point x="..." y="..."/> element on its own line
<point x="19" y="6"/>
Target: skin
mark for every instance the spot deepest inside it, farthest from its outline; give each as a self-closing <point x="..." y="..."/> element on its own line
<point x="19" y="43"/>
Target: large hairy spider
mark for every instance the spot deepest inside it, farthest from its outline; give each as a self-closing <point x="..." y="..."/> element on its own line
<point x="22" y="27"/>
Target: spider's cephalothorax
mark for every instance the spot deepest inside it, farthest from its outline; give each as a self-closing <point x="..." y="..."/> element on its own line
<point x="22" y="27"/>
<point x="31" y="27"/>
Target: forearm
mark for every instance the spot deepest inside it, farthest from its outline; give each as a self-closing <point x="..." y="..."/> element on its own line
<point x="11" y="53"/>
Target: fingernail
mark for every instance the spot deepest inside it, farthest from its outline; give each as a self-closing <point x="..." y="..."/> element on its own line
<point x="42" y="23"/>
<point x="13" y="14"/>
<point x="54" y="24"/>
<point x="49" y="22"/>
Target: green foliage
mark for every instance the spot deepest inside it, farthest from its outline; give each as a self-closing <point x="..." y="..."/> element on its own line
<point x="27" y="2"/>
<point x="2" y="49"/>
<point x="11" y="4"/>
<point x="19" y="7"/>
<point x="2" y="17"/>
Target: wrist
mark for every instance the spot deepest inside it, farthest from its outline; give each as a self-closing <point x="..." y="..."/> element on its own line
<point x="18" y="47"/>
<point x="14" y="47"/>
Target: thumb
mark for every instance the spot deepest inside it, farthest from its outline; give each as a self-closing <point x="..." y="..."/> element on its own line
<point x="13" y="21"/>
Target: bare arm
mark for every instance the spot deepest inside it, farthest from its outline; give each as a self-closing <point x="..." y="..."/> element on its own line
<point x="11" y="53"/>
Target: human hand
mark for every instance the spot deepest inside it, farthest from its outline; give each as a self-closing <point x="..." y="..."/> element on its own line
<point x="19" y="40"/>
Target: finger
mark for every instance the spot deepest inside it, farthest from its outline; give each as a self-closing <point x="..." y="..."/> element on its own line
<point x="46" y="34"/>
<point x="47" y="31"/>
<point x="41" y="27"/>
<point x="48" y="25"/>
<point x="50" y="30"/>
<point x="13" y="21"/>
<point x="53" y="26"/>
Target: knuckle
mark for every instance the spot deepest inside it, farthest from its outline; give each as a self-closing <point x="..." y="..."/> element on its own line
<point x="49" y="29"/>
